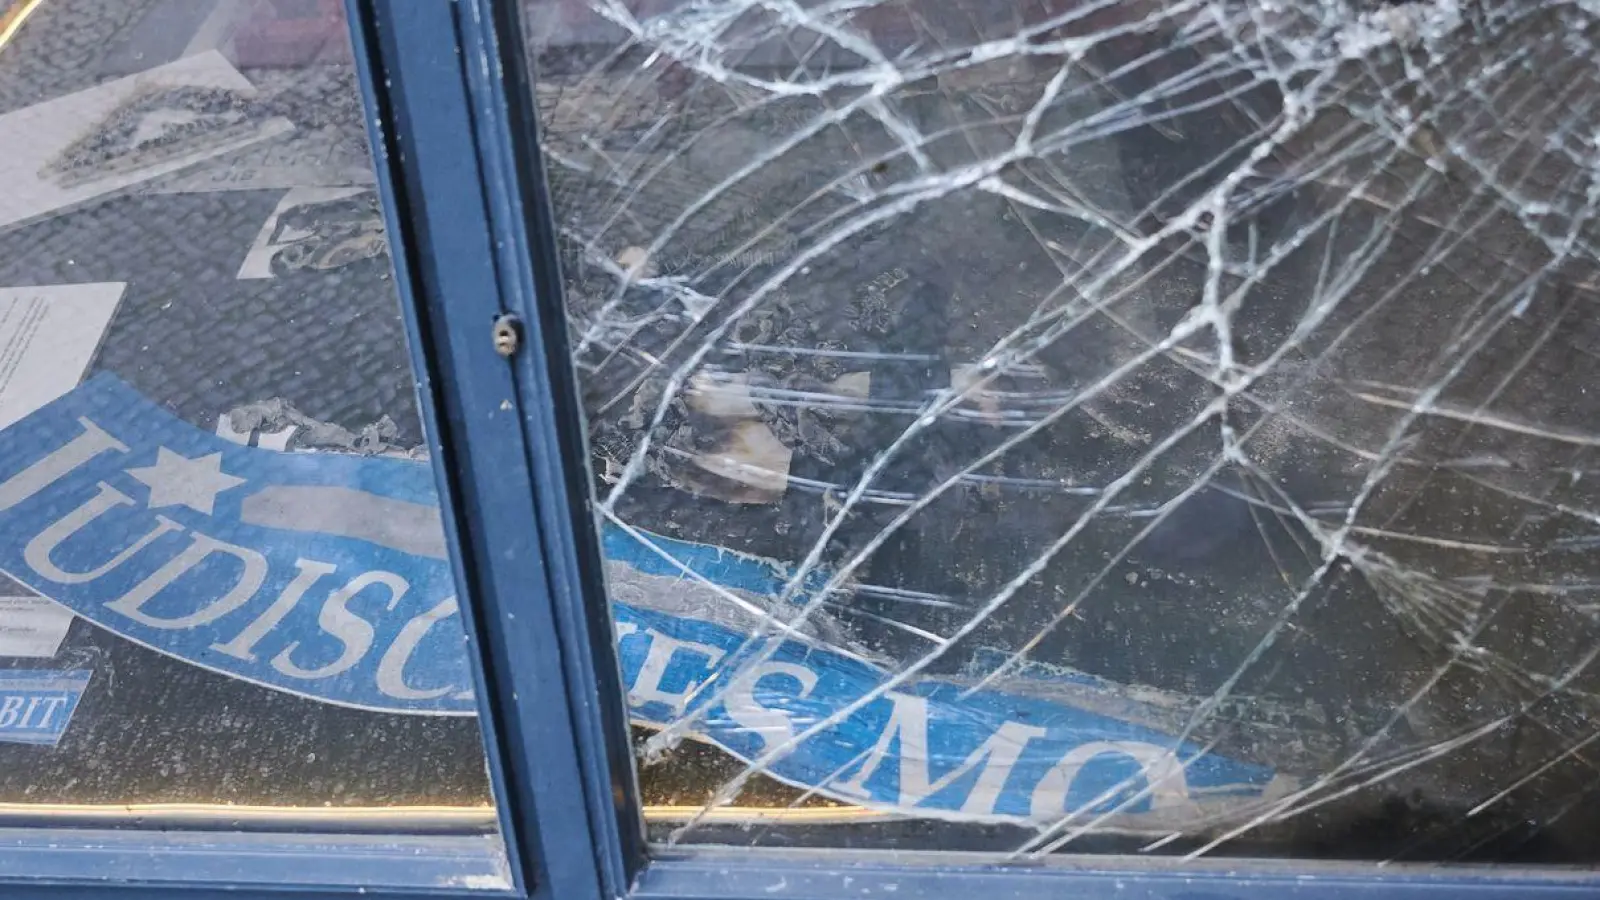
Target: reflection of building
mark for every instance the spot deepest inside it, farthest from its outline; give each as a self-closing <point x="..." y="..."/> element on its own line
<point x="281" y="33"/>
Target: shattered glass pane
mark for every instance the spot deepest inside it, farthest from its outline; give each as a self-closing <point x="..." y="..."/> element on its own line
<point x="1071" y="426"/>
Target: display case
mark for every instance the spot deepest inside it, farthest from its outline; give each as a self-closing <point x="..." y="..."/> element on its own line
<point x="653" y="448"/>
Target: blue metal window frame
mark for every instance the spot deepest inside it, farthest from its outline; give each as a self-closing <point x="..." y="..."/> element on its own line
<point x="512" y="509"/>
<point x="454" y="134"/>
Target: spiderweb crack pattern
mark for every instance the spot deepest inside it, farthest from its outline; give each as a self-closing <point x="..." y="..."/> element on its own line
<point x="1231" y="348"/>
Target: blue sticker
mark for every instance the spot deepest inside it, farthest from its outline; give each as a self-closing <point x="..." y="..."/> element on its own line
<point x="327" y="576"/>
<point x="37" y="704"/>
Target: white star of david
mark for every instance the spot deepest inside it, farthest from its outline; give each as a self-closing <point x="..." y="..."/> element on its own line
<point x="176" y="480"/>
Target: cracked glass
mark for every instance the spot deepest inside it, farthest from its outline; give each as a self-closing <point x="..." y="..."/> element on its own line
<point x="1065" y="426"/>
<point x="226" y="602"/>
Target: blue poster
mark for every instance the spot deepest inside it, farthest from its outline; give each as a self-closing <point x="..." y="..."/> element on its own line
<point x="326" y="575"/>
<point x="37" y="704"/>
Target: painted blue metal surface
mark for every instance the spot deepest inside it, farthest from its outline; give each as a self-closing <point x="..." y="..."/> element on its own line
<point x="555" y="440"/>
<point x="463" y="169"/>
<point x="127" y="864"/>
<point x="820" y="876"/>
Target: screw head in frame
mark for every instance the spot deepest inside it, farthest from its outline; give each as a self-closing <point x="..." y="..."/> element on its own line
<point x="507" y="334"/>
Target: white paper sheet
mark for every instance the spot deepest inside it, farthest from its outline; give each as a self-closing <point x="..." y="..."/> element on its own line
<point x="272" y="240"/>
<point x="48" y="335"/>
<point x="32" y="626"/>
